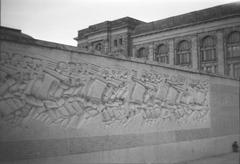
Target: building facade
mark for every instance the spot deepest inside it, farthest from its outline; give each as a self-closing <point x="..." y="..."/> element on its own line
<point x="60" y="104"/>
<point x="206" y="40"/>
<point x="138" y="96"/>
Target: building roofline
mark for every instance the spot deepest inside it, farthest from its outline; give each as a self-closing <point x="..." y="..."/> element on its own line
<point x="108" y="25"/>
<point x="181" y="26"/>
<point x="179" y="21"/>
<point x="12" y="33"/>
<point x="10" y="29"/>
<point x="189" y="19"/>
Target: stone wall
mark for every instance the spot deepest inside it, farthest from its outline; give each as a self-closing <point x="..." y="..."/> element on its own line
<point x="62" y="105"/>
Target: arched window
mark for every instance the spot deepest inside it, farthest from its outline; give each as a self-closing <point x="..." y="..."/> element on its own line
<point x="233" y="54"/>
<point x="233" y="44"/>
<point x="98" y="47"/>
<point x="161" y="54"/>
<point x="208" y="49"/>
<point x="142" y="53"/>
<point x="183" y="53"/>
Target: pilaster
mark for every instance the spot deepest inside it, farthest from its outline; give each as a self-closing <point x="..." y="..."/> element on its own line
<point x="171" y="52"/>
<point x="134" y="52"/>
<point x="151" y="53"/>
<point x="220" y="52"/>
<point x="194" y="54"/>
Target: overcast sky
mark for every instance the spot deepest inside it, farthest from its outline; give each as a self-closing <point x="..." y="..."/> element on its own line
<point x="59" y="20"/>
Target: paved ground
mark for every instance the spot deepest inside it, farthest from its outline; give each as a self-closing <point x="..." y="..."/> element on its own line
<point x="232" y="158"/>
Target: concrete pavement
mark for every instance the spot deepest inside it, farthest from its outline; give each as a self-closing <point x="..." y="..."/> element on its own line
<point x="231" y="158"/>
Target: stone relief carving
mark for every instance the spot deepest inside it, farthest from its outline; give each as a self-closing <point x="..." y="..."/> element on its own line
<point x="68" y="93"/>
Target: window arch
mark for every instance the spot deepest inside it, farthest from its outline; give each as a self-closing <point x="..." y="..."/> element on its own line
<point x="208" y="49"/>
<point x="98" y="47"/>
<point x="161" y="54"/>
<point x="233" y="44"/>
<point x="142" y="53"/>
<point x="233" y="54"/>
<point x="183" y="53"/>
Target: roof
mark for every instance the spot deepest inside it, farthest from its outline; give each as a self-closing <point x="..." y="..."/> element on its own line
<point x="192" y="18"/>
<point x="13" y="34"/>
<point x="16" y="36"/>
<point x="109" y="25"/>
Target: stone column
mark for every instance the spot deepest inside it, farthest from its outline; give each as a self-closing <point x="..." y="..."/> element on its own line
<point x="231" y="70"/>
<point x="106" y="47"/>
<point x="220" y="52"/>
<point x="194" y="53"/>
<point x="134" y="52"/>
<point x="151" y="53"/>
<point x="171" y="52"/>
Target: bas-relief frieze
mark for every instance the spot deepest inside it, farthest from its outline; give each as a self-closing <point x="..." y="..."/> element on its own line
<point x="67" y="94"/>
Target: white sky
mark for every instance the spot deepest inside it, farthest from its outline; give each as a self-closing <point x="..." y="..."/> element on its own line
<point x="59" y="20"/>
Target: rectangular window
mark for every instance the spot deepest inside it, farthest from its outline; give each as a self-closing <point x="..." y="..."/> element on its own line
<point x="215" y="69"/>
<point x="120" y="41"/>
<point x="229" y="52"/>
<point x="162" y="59"/>
<point x="209" y="69"/>
<point x="228" y="69"/>
<point x="184" y="58"/>
<point x="237" y="70"/>
<point x="115" y="43"/>
<point x="234" y="51"/>
<point x="208" y="55"/>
